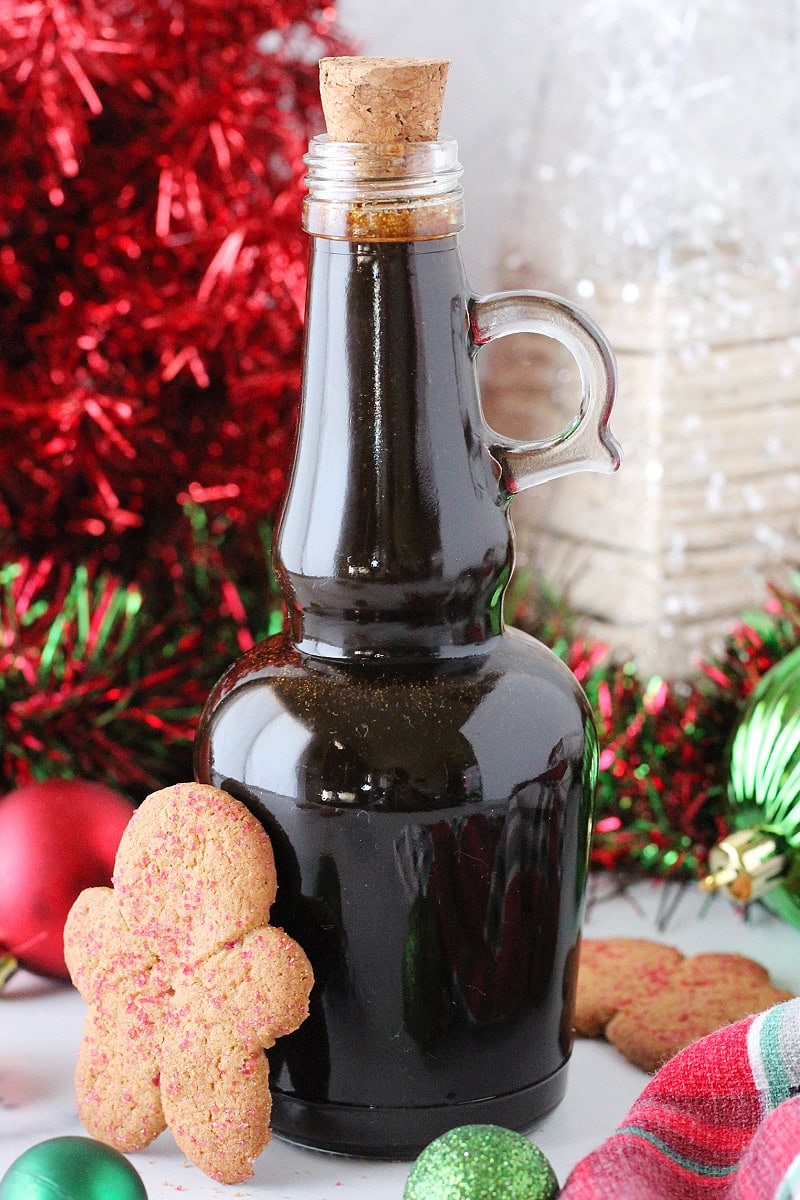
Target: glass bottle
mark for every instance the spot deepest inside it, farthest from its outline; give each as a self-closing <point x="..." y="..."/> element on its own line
<point x="426" y="774"/>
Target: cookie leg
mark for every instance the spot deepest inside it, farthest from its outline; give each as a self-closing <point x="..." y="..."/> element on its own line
<point x="117" y="1085"/>
<point x="217" y="1103"/>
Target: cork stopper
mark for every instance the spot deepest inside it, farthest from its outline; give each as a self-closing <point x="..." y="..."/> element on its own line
<point x="378" y="101"/>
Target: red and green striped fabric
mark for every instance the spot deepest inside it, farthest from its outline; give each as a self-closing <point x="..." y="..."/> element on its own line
<point x="721" y="1119"/>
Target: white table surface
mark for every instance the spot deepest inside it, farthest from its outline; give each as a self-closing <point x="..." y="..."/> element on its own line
<point x="40" y="1026"/>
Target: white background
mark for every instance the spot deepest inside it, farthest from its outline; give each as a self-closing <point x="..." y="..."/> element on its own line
<point x="494" y="50"/>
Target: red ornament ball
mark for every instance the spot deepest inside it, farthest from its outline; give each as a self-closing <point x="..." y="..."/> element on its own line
<point x="56" y="838"/>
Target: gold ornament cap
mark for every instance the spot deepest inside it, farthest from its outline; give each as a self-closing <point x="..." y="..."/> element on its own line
<point x="745" y="865"/>
<point x="380" y="101"/>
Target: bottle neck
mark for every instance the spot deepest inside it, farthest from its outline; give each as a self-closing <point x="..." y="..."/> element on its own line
<point x="394" y="542"/>
<point x="408" y="191"/>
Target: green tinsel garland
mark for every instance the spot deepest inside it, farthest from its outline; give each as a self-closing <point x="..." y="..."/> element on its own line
<point x="102" y="677"/>
<point x="665" y="744"/>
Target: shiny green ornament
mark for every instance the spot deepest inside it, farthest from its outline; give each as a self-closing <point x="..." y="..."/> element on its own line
<point x="71" y="1168"/>
<point x="760" y="857"/>
<point x="481" y="1162"/>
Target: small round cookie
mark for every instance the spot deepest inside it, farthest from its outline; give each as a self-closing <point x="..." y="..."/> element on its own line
<point x="614" y="971"/>
<point x="186" y="983"/>
<point x="703" y="994"/>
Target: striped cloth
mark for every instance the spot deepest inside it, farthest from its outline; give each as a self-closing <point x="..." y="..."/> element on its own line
<point x="721" y="1119"/>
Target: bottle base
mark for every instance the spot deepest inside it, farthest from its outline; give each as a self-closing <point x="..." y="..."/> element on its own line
<point x="402" y="1133"/>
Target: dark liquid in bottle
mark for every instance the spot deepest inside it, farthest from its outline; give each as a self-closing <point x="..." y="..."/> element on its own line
<point x="425" y="775"/>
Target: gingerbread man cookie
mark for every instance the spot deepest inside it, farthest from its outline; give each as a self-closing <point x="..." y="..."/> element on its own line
<point x="187" y="983"/>
<point x="703" y="994"/>
<point x="650" y="1002"/>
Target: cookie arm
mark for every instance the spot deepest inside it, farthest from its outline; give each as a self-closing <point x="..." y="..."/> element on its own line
<point x="269" y="979"/>
<point x="93" y="933"/>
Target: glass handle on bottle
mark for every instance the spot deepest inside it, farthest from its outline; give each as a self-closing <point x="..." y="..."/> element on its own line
<point x="586" y="443"/>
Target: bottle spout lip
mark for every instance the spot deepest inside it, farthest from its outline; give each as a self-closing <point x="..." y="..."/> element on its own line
<point x="397" y="191"/>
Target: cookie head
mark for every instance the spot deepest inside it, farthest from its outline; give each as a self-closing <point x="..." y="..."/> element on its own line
<point x="615" y="971"/>
<point x="194" y="871"/>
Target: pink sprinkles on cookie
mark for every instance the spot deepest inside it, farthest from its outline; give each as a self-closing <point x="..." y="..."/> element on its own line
<point x="187" y="983"/>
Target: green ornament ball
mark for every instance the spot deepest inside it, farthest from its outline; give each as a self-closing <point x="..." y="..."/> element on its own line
<point x="71" y="1168"/>
<point x="481" y="1162"/>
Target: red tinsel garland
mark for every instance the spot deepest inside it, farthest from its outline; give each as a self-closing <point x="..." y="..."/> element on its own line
<point x="664" y="744"/>
<point x="152" y="268"/>
<point x="152" y="277"/>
